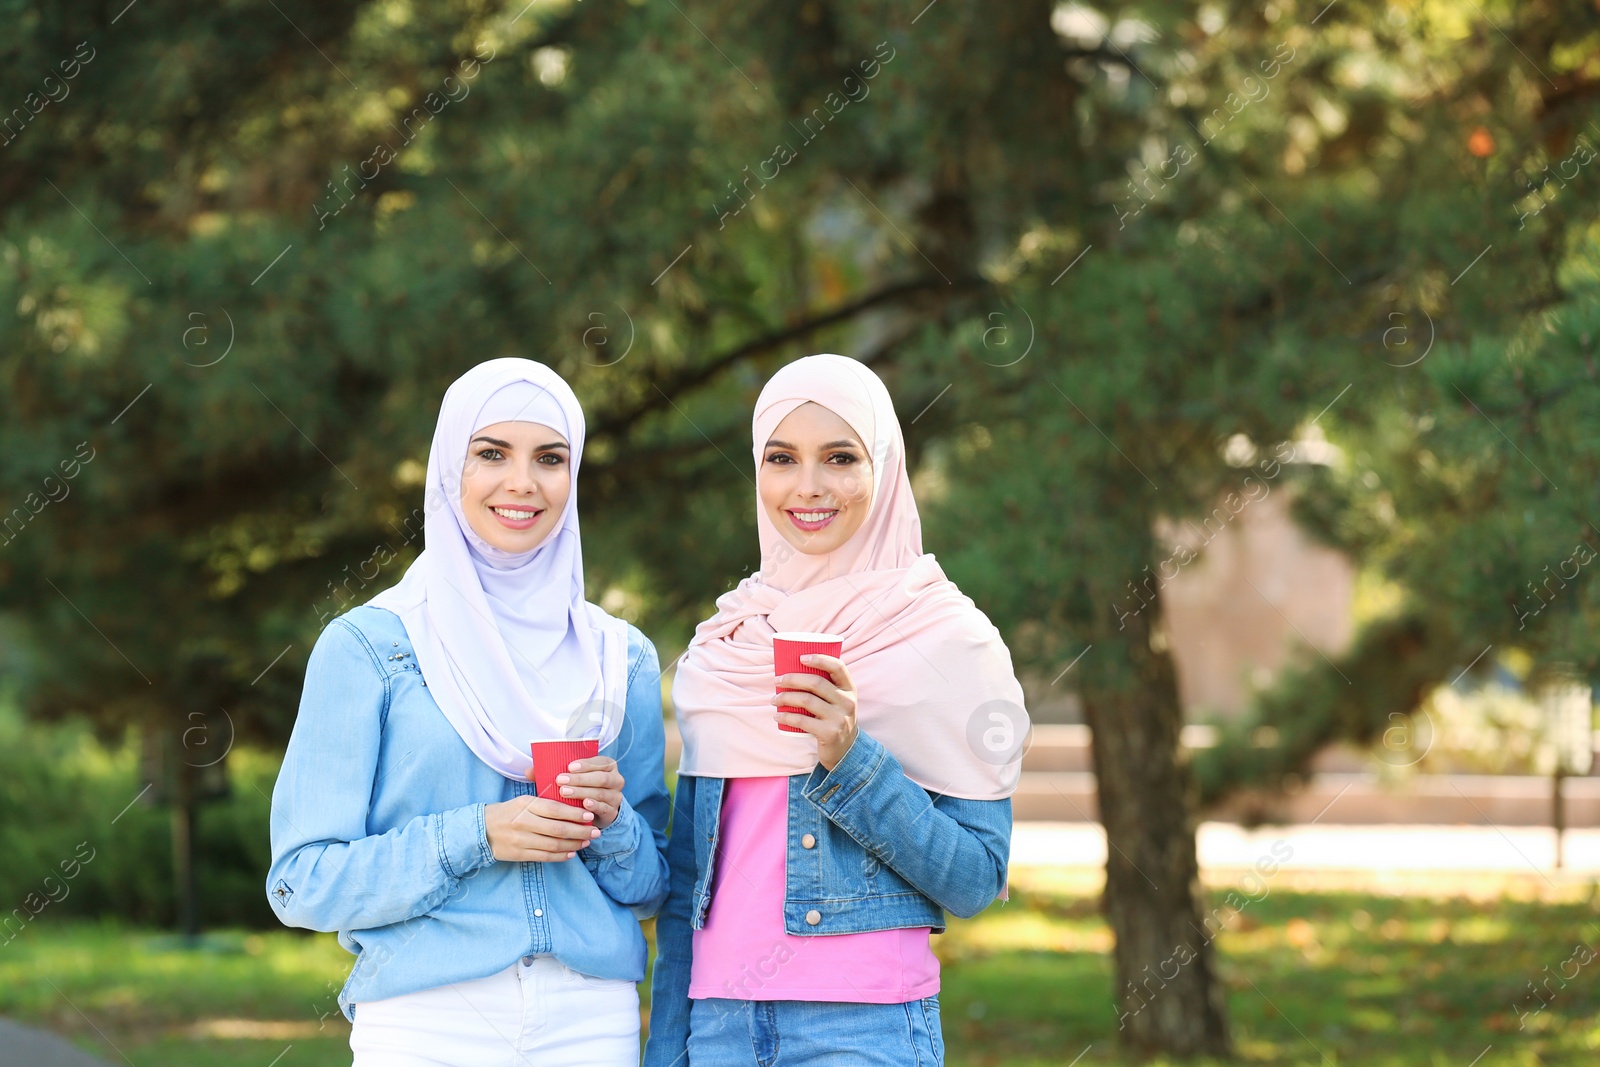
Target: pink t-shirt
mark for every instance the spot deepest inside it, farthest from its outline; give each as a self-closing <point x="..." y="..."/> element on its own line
<point x="744" y="953"/>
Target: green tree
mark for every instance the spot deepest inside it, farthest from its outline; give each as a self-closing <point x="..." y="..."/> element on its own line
<point x="242" y="257"/>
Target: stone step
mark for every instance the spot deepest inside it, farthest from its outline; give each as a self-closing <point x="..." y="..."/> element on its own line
<point x="1391" y="857"/>
<point x="1348" y="799"/>
<point x="1066" y="747"/>
<point x="1058" y="786"/>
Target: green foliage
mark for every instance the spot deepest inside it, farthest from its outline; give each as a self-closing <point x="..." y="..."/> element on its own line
<point x="82" y="841"/>
<point x="1086" y="248"/>
<point x="236" y="996"/>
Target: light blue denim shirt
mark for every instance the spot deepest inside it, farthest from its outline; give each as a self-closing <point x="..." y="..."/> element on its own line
<point x="867" y="849"/>
<point x="378" y="831"/>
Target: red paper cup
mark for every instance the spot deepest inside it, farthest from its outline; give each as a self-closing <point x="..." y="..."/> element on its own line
<point x="787" y="648"/>
<point x="550" y="758"/>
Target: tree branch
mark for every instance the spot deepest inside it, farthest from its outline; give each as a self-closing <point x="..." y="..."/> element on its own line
<point x="1101" y="52"/>
<point x="1392" y="668"/>
<point x="693" y="377"/>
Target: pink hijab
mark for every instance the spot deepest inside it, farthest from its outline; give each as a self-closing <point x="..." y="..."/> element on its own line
<point x="934" y="680"/>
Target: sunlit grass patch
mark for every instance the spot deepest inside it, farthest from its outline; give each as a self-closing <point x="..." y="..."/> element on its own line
<point x="1429" y="975"/>
<point x="150" y="996"/>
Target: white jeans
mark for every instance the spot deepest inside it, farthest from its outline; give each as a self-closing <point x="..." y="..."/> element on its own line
<point x="536" y="1013"/>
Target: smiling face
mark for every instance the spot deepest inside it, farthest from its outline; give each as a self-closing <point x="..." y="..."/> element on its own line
<point x="815" y="479"/>
<point x="515" y="484"/>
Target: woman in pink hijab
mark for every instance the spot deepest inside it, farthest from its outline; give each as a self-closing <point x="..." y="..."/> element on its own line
<point x="809" y="869"/>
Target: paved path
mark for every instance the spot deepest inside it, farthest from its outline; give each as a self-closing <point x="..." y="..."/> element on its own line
<point x="1396" y="848"/>
<point x="22" y="1046"/>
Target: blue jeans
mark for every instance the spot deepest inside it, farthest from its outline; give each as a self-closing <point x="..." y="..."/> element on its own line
<point x="808" y="1033"/>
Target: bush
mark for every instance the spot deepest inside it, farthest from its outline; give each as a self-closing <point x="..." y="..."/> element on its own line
<point x="78" y="844"/>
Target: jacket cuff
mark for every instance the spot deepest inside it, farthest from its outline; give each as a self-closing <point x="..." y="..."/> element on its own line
<point x="463" y="840"/>
<point x="832" y="790"/>
<point x="619" y="839"/>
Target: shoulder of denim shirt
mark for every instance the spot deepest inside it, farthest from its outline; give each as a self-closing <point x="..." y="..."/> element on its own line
<point x="641" y="651"/>
<point x="384" y="634"/>
<point x="641" y="654"/>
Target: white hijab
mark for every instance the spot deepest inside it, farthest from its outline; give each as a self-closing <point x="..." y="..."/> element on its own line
<point x="510" y="649"/>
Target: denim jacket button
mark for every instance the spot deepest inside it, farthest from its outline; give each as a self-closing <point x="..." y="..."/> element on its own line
<point x="808" y="841"/>
<point x="813" y="918"/>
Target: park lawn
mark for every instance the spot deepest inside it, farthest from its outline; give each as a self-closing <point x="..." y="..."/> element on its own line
<point x="1431" y="972"/>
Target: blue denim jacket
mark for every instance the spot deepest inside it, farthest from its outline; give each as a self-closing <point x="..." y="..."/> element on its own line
<point x="378" y="831"/>
<point x="884" y="854"/>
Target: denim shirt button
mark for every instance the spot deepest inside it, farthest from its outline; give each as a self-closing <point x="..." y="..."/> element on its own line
<point x="808" y="841"/>
<point x="813" y="918"/>
<point x="538" y="913"/>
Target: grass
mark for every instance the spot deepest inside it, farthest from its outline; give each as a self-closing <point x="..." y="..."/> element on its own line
<point x="1431" y="971"/>
<point x="133" y="996"/>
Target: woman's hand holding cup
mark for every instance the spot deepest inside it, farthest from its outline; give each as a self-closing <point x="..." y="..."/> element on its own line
<point x="544" y="829"/>
<point x="535" y="829"/>
<point x="831" y="702"/>
<point x="598" y="784"/>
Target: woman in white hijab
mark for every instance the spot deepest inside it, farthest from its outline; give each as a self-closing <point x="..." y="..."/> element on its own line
<point x="489" y="924"/>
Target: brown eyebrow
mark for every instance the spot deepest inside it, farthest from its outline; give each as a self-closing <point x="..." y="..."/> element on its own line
<point x="830" y="444"/>
<point x="506" y="444"/>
